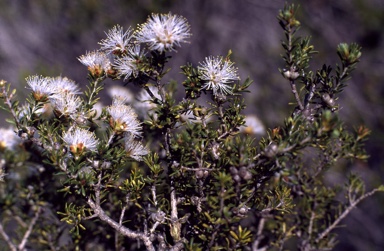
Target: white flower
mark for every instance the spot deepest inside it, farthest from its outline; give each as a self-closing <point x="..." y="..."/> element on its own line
<point x="127" y="65"/>
<point x="8" y="139"/>
<point x="121" y="91"/>
<point x="124" y="119"/>
<point x="41" y="88"/>
<point x="64" y="85"/>
<point x="163" y="32"/>
<point x="144" y="104"/>
<point x="117" y="40"/>
<point x="97" y="109"/>
<point x="134" y="148"/>
<point x="65" y="104"/>
<point x="97" y="62"/>
<point x="253" y="125"/>
<point x="79" y="140"/>
<point x="218" y="73"/>
<point x="120" y="100"/>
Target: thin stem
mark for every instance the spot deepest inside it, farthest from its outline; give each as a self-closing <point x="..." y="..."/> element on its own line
<point x="256" y="243"/>
<point x="29" y="231"/>
<point x="115" y="225"/>
<point x="153" y="191"/>
<point x="310" y="227"/>
<point x="95" y="90"/>
<point x="344" y="214"/>
<point x="167" y="141"/>
<point x="296" y="94"/>
<point x="175" y="224"/>
<point x="154" y="98"/>
<point x="7" y="239"/>
<point x="292" y="67"/>
<point x="121" y="222"/>
<point x="198" y="169"/>
<point x="8" y="102"/>
<point x="111" y="139"/>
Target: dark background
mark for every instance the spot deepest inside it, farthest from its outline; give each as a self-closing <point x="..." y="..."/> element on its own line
<point x="46" y="36"/>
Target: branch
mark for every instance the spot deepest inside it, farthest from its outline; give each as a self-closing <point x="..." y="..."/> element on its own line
<point x="7" y="239"/>
<point x="344" y="214"/>
<point x="296" y="94"/>
<point x="95" y="206"/>
<point x="29" y="231"/>
<point x="121" y="221"/>
<point x="256" y="243"/>
<point x="121" y="229"/>
<point x="175" y="224"/>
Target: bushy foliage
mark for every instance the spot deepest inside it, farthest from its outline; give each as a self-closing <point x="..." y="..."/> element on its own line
<point x="162" y="172"/>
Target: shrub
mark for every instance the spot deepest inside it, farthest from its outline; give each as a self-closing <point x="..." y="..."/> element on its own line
<point x="162" y="172"/>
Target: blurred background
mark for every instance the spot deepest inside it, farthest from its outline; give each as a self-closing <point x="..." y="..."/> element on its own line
<point x="46" y="37"/>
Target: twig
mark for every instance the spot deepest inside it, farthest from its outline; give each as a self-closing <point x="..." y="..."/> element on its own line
<point x="154" y="99"/>
<point x="175" y="224"/>
<point x="115" y="225"/>
<point x="7" y="239"/>
<point x="100" y="213"/>
<point x="256" y="243"/>
<point x="8" y="102"/>
<point x="292" y="67"/>
<point x="29" y="231"/>
<point x="94" y="90"/>
<point x="296" y="94"/>
<point x="198" y="169"/>
<point x="153" y="191"/>
<point x="310" y="227"/>
<point x="121" y="222"/>
<point x="111" y="139"/>
<point x="344" y="214"/>
<point x="167" y="140"/>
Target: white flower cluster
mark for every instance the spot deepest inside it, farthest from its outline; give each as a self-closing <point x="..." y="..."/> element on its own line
<point x="121" y="52"/>
<point x="79" y="140"/>
<point x="61" y="92"/>
<point x="163" y="32"/>
<point x="218" y="73"/>
<point x="123" y="119"/>
<point x="8" y="139"/>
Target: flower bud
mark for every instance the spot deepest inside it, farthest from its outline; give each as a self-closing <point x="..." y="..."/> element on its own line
<point x="291" y="75"/>
<point x="271" y="150"/>
<point x="199" y="174"/>
<point x="330" y="102"/>
<point x="349" y="53"/>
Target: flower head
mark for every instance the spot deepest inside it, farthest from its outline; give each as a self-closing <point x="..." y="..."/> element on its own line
<point x="163" y="32"/>
<point x="97" y="62"/>
<point x="122" y="92"/>
<point x="117" y="40"/>
<point x="127" y="65"/>
<point x="8" y="139"/>
<point x="123" y="118"/>
<point x="80" y="140"/>
<point x="41" y="87"/>
<point x="217" y="74"/>
<point x="64" y="85"/>
<point x="253" y="125"/>
<point x="134" y="148"/>
<point x="65" y="104"/>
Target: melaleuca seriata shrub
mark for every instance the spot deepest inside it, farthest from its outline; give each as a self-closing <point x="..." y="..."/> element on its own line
<point x="161" y="172"/>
